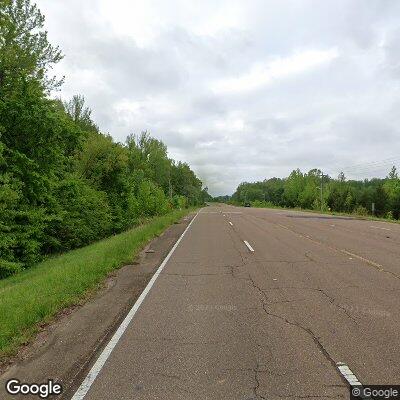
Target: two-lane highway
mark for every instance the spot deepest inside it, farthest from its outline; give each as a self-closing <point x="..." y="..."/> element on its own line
<point x="256" y="303"/>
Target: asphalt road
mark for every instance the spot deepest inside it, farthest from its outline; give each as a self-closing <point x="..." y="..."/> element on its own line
<point x="271" y="319"/>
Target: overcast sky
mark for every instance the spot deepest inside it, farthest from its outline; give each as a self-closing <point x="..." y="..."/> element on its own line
<point x="241" y="90"/>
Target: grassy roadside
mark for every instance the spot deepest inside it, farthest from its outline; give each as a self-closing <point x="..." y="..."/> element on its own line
<point x="342" y="214"/>
<point x="34" y="296"/>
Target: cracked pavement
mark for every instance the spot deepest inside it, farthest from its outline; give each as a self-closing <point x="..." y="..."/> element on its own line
<point x="222" y="322"/>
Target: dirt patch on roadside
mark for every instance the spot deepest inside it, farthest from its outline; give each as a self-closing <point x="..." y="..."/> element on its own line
<point x="65" y="349"/>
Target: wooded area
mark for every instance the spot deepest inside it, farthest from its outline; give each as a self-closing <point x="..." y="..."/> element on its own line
<point x="63" y="183"/>
<point x="303" y="190"/>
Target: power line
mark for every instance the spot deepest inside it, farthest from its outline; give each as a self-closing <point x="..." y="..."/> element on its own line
<point x="365" y="164"/>
<point x="368" y="168"/>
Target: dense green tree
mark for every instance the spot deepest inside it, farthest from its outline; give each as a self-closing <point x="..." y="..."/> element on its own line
<point x="80" y="113"/>
<point x="150" y="156"/>
<point x="303" y="190"/>
<point x="26" y="54"/>
<point x="293" y="188"/>
<point x="63" y="183"/>
<point x="392" y="189"/>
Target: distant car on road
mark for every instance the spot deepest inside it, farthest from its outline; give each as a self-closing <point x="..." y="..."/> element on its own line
<point x="247" y="204"/>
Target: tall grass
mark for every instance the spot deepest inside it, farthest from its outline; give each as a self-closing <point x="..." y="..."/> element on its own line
<point x="37" y="294"/>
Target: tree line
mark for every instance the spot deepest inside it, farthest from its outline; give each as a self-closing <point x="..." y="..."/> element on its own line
<point x="64" y="183"/>
<point x="303" y="190"/>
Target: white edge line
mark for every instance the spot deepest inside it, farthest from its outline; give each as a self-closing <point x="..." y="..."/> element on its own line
<point x="248" y="245"/>
<point x="98" y="365"/>
<point x="230" y="223"/>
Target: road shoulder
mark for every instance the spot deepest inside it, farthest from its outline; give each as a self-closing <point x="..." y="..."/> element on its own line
<point x="65" y="349"/>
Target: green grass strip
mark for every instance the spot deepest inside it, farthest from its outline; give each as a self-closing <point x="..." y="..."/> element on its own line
<point x="36" y="295"/>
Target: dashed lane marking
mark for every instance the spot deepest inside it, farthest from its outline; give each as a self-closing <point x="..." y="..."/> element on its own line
<point x="248" y="245"/>
<point x="350" y="377"/>
<point x="348" y="374"/>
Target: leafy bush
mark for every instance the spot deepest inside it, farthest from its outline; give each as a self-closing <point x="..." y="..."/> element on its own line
<point x="8" y="268"/>
<point x="83" y="215"/>
<point x="360" y="210"/>
<point x="261" y="204"/>
<point x="151" y="199"/>
<point x="22" y="234"/>
<point x="179" y="202"/>
<point x="389" y="215"/>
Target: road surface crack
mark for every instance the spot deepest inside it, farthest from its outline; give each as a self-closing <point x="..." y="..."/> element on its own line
<point x="311" y="288"/>
<point x="307" y="255"/>
<point x="333" y="301"/>
<point x="296" y="324"/>
<point x="285" y="301"/>
<point x="256" y="387"/>
<point x="243" y="259"/>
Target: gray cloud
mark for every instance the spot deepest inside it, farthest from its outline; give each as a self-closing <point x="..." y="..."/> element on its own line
<point x="239" y="90"/>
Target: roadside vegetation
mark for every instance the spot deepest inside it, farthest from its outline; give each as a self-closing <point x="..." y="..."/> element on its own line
<point x="303" y="191"/>
<point x="63" y="183"/>
<point x="35" y="295"/>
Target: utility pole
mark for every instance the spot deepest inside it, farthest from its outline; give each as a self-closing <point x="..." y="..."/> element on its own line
<point x="322" y="188"/>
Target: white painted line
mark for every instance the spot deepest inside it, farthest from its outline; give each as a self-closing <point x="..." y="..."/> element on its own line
<point x="348" y="374"/>
<point x="248" y="245"/>
<point x="379" y="227"/>
<point x="230" y="223"/>
<point x="98" y="365"/>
